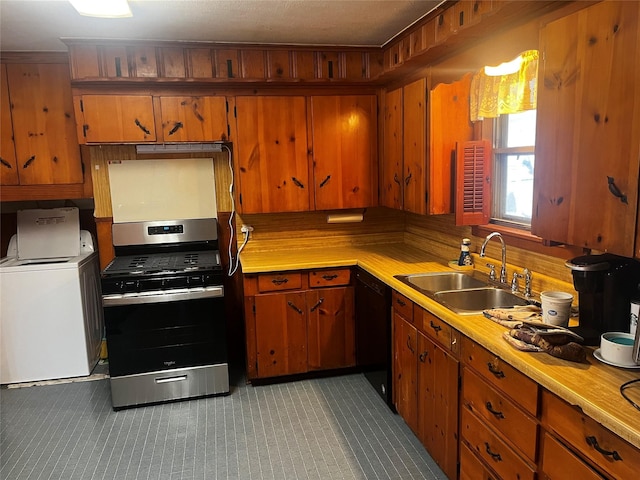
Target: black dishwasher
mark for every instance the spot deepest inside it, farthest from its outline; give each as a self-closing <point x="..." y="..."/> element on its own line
<point x="373" y="333"/>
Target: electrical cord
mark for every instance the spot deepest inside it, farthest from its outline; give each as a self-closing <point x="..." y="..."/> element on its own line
<point x="233" y="268"/>
<point x="623" y="387"/>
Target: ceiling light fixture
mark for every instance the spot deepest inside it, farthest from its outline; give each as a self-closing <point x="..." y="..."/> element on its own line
<point x="102" y="8"/>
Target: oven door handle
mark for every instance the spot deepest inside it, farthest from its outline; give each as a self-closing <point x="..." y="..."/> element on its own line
<point x="162" y="296"/>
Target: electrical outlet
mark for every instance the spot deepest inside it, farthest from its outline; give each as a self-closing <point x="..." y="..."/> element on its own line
<point x="246" y="228"/>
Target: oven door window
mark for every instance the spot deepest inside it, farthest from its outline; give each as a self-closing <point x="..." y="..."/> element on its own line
<point x="151" y="337"/>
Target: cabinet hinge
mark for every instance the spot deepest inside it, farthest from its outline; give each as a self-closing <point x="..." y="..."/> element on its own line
<point x="459" y="383"/>
<point x="240" y="198"/>
<point x="228" y="131"/>
<point x="253" y="307"/>
<point x="226" y="103"/>
<point x="81" y="106"/>
<point x="426" y="197"/>
<point x="235" y="111"/>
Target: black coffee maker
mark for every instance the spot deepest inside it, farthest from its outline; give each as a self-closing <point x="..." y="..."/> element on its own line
<point x="605" y="284"/>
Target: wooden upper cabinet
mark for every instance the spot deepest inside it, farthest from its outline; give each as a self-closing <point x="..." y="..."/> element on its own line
<point x="143" y="59"/>
<point x="8" y="165"/>
<point x="278" y="64"/>
<point x="271" y="154"/>
<point x="193" y="119"/>
<point x="226" y="63"/>
<point x="115" y="62"/>
<point x="344" y="145"/>
<point x="588" y="129"/>
<point x="414" y="176"/>
<point x="115" y="118"/>
<point x="172" y="62"/>
<point x="391" y="165"/>
<point x="252" y="64"/>
<point x="43" y="124"/>
<point x="449" y="125"/>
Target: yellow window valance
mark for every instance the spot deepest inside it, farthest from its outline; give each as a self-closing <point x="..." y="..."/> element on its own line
<point x="513" y="92"/>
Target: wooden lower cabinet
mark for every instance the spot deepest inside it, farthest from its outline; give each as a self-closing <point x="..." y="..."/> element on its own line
<point x="590" y="443"/>
<point x="296" y="327"/>
<point x="426" y="386"/>
<point x="559" y="462"/>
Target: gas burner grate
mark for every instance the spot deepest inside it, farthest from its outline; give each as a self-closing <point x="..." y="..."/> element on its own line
<point x="191" y="259"/>
<point x="138" y="261"/>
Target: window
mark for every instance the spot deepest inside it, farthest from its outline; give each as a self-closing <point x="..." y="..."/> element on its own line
<point x="514" y="160"/>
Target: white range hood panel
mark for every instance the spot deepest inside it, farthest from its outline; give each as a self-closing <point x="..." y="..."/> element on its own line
<point x="163" y="189"/>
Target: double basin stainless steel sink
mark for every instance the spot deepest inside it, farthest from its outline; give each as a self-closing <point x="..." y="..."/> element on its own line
<point x="462" y="293"/>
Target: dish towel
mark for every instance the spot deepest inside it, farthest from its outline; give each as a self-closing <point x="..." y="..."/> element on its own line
<point x="529" y="334"/>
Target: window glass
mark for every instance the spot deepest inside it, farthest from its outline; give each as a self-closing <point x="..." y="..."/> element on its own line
<point x="514" y="157"/>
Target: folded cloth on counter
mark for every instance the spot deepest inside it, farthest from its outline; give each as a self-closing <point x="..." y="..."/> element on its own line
<point x="556" y="341"/>
<point x="513" y="317"/>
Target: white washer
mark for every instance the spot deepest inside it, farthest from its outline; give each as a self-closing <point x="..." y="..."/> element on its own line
<point x="51" y="318"/>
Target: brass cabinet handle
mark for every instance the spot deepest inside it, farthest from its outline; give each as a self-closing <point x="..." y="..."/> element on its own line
<point x="409" y="344"/>
<point x="317" y="304"/>
<point x="593" y="442"/>
<point x="613" y="188"/>
<point x="142" y="127"/>
<point x="324" y="182"/>
<point x="497" y="414"/>
<point x="292" y="305"/>
<point x="495" y="371"/>
<point x="495" y="456"/>
<point x="175" y="128"/>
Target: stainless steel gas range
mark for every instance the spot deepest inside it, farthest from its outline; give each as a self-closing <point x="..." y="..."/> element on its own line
<point x="164" y="312"/>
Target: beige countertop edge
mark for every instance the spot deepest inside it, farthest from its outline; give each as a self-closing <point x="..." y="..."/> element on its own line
<point x="603" y="404"/>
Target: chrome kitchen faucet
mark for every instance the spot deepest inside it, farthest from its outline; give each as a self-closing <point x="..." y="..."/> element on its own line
<point x="503" y="267"/>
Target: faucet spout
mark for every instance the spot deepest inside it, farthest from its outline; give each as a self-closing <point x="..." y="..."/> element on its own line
<point x="503" y="267"/>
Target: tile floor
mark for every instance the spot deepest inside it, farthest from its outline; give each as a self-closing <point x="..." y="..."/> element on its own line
<point x="320" y="429"/>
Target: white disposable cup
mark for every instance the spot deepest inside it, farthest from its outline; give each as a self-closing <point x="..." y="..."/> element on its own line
<point x="556" y="308"/>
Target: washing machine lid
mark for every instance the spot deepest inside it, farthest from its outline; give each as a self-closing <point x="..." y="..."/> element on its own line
<point x="48" y="233"/>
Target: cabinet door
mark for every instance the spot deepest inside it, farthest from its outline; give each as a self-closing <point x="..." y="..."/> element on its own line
<point x="415" y="146"/>
<point x="44" y="129"/>
<point x="438" y="404"/>
<point x="391" y="164"/>
<point x="118" y="118"/>
<point x="194" y="119"/>
<point x="331" y="328"/>
<point x="449" y="125"/>
<point x="8" y="165"/>
<point x="405" y="370"/>
<point x="344" y="145"/>
<point x="588" y="129"/>
<point x="281" y="334"/>
<point x="271" y="153"/>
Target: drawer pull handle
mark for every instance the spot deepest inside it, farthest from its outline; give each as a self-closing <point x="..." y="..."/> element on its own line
<point x="179" y="378"/>
<point x="142" y="127"/>
<point x="317" y="304"/>
<point x="497" y="414"/>
<point x="496" y="456"/>
<point x="423" y="356"/>
<point x="279" y="281"/>
<point x="329" y="277"/>
<point x="495" y="371"/>
<point x="593" y="442"/>
<point x="409" y="344"/>
<point x="292" y="305"/>
<point x="400" y="302"/>
<point x="437" y="328"/>
<point x="396" y="179"/>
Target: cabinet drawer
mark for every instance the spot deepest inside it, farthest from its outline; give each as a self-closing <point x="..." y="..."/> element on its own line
<point x="329" y="278"/>
<point x="279" y="281"/>
<point x="559" y="462"/>
<point x="492" y="450"/>
<point x="436" y="329"/>
<point x="501" y="375"/>
<point x="470" y="467"/>
<point x="499" y="412"/>
<point x="601" y="446"/>
<point x="402" y="305"/>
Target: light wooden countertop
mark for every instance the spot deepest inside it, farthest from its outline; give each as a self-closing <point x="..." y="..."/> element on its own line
<point x="594" y="387"/>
